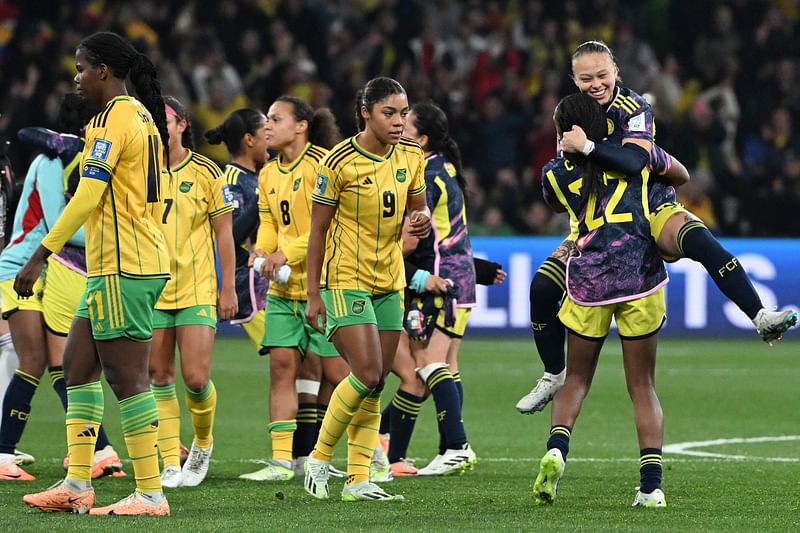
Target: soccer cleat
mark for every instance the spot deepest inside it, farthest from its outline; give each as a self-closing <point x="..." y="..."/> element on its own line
<point x="653" y="499"/>
<point x="450" y="462"/>
<point x="196" y="466"/>
<point x="10" y="470"/>
<point x="135" y="504"/>
<point x="542" y="393"/>
<point x="299" y="464"/>
<point x="274" y="471"/>
<point x="366" y="491"/>
<point x="335" y="472"/>
<point x="379" y="468"/>
<point x="403" y="468"/>
<point x="551" y="468"/>
<point x="171" y="477"/>
<point x="24" y="458"/>
<point x="317" y="473"/>
<point x="771" y="325"/>
<point x="107" y="463"/>
<point x="61" y="499"/>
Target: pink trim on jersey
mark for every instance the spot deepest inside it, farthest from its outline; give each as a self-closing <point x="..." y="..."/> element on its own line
<point x="68" y="265"/>
<point x="614" y="300"/>
<point x="253" y="304"/>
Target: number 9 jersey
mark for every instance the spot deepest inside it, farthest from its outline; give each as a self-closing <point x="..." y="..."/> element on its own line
<point x="618" y="259"/>
<point x="364" y="248"/>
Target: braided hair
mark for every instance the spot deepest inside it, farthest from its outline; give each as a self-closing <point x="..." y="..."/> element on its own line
<point x="121" y="57"/>
<point x="582" y="110"/>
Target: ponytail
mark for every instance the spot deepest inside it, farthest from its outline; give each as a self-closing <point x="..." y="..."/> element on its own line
<point x="430" y="120"/>
<point x="122" y="58"/>
<point x="322" y="128"/>
<point x="235" y="127"/>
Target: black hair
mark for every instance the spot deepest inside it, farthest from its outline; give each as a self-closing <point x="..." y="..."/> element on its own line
<point x="122" y="58"/>
<point x="374" y="91"/>
<point x="74" y="113"/>
<point x="187" y="138"/>
<point x="322" y="128"/>
<point x="430" y="120"/>
<point x="235" y="127"/>
<point x="582" y="110"/>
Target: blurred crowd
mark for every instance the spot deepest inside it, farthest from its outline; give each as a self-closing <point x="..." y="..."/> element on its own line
<point x="722" y="77"/>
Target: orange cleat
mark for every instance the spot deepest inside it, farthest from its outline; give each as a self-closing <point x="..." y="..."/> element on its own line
<point x="106" y="463"/>
<point x="404" y="467"/>
<point x="10" y="471"/>
<point x="61" y="499"/>
<point x="135" y="504"/>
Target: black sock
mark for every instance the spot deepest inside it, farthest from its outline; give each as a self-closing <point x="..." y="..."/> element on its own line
<point x="406" y="407"/>
<point x="649" y="470"/>
<point x="386" y="418"/>
<point x="547" y="289"/>
<point x="322" y="408"/>
<point x="16" y="409"/>
<point x="306" y="433"/>
<point x="559" y="438"/>
<point x="448" y="408"/>
<point x="59" y="385"/>
<point x="697" y="243"/>
<point x="460" y="387"/>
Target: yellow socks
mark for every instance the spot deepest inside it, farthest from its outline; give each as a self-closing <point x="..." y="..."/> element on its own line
<point x="202" y="406"/>
<point x="345" y="402"/>
<point x="282" y="434"/>
<point x="362" y="438"/>
<point x="169" y="424"/>
<point x="139" y="418"/>
<point x="84" y="415"/>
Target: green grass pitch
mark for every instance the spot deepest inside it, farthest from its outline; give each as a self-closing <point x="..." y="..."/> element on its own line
<point x="710" y="390"/>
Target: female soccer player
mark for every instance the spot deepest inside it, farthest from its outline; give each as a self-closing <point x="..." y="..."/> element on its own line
<point x="127" y="267"/>
<point x="39" y="325"/>
<point x="365" y="184"/>
<point x="629" y="148"/>
<point x="301" y="137"/>
<point x="447" y="254"/>
<point x="196" y="209"/>
<point x="244" y="133"/>
<point x="618" y="273"/>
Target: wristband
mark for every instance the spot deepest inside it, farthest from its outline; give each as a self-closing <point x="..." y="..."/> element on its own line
<point x="588" y="147"/>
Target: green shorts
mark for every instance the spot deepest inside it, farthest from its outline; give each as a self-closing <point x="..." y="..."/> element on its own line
<point x="120" y="307"/>
<point x="196" y="315"/>
<point x="345" y="307"/>
<point x="288" y="328"/>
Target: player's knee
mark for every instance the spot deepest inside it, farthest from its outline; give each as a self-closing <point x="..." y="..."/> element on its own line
<point x="196" y="381"/>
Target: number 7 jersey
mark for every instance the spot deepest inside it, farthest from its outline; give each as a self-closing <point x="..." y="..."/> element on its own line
<point x="364" y="249"/>
<point x="618" y="259"/>
<point x="123" y="148"/>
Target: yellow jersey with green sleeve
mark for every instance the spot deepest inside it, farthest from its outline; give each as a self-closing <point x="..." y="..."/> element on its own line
<point x="284" y="206"/>
<point x="364" y="249"/>
<point x="193" y="193"/>
<point x="123" y="149"/>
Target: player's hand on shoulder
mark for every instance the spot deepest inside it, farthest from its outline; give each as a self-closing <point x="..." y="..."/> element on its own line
<point x="574" y="140"/>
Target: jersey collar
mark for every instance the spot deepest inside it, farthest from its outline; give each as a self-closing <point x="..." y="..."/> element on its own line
<point x="368" y="154"/>
<point x="293" y="165"/>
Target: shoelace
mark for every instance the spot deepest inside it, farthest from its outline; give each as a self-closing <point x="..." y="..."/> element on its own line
<point x="197" y="459"/>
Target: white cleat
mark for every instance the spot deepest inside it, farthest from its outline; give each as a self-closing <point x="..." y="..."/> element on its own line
<point x="196" y="466"/>
<point x="171" y="477"/>
<point x="448" y="463"/>
<point x="771" y="325"/>
<point x="24" y="458"/>
<point x="366" y="491"/>
<point x="654" y="499"/>
<point x="316" y="478"/>
<point x="274" y="471"/>
<point x="299" y="465"/>
<point x="472" y="457"/>
<point x="380" y="470"/>
<point x="542" y="393"/>
<point x="335" y="472"/>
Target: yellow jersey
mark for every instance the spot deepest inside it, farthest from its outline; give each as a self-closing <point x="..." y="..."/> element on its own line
<point x="193" y="193"/>
<point x="284" y="206"/>
<point x="123" y="235"/>
<point x="364" y="248"/>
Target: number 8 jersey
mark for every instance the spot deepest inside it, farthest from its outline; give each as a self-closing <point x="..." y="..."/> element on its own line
<point x="618" y="259"/>
<point x="123" y="149"/>
<point x="364" y="249"/>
